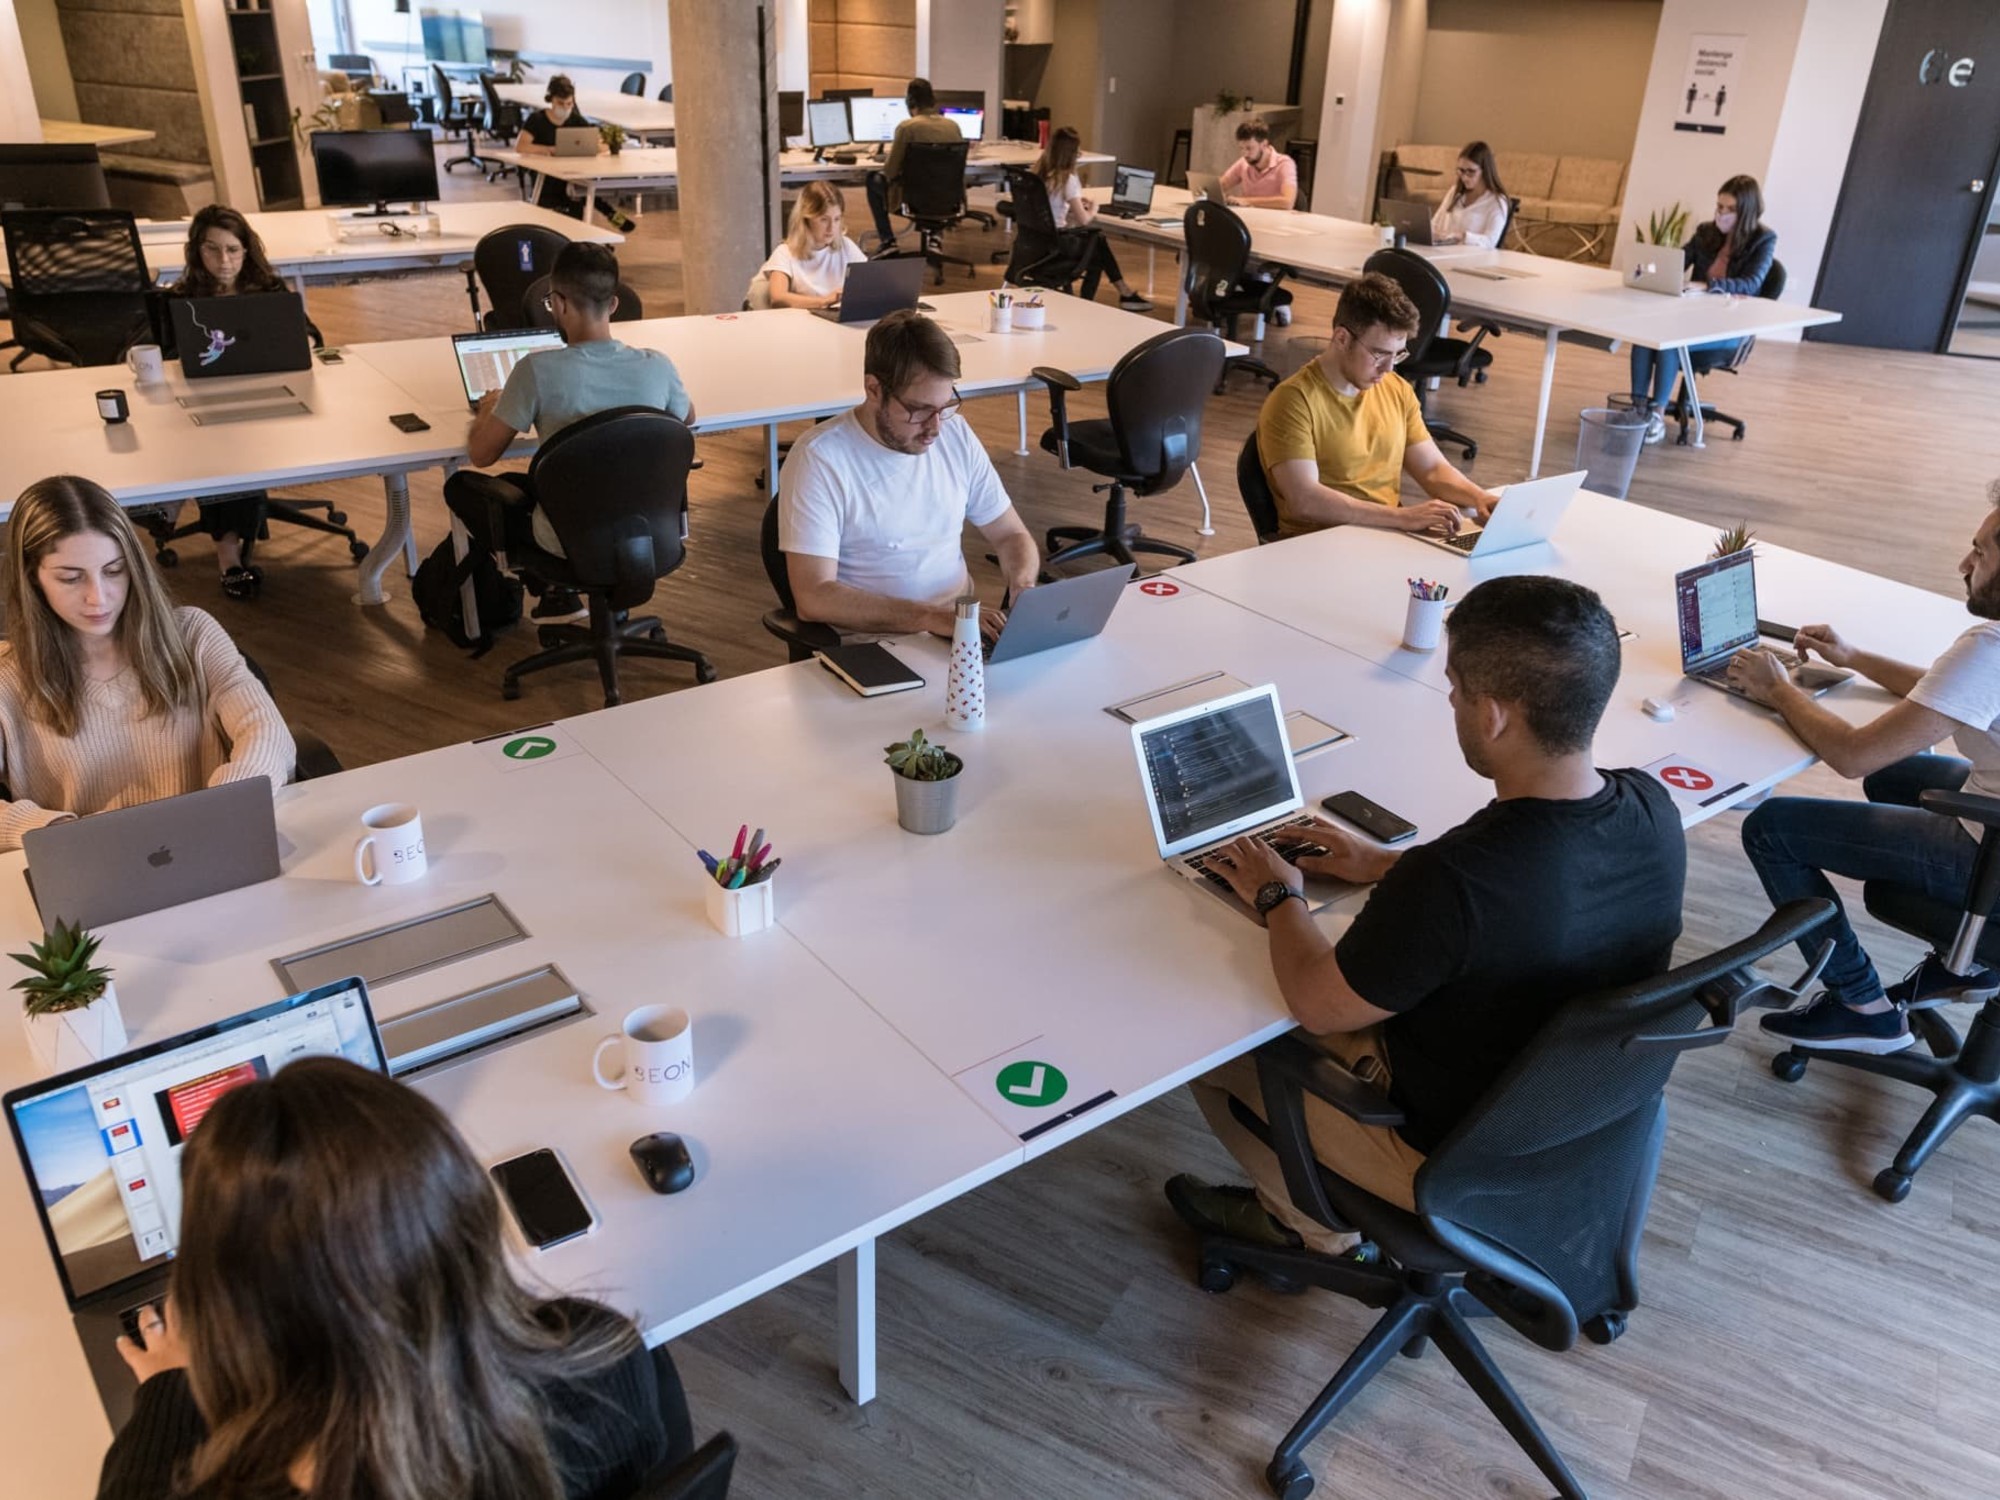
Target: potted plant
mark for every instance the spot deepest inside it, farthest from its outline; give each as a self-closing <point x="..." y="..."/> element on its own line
<point x="614" y="136"/>
<point x="1227" y="102"/>
<point x="926" y="783"/>
<point x="71" y="1010"/>
<point x="1668" y="226"/>
<point x="1738" y="538"/>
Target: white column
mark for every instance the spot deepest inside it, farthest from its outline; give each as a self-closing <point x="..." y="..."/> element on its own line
<point x="18" y="120"/>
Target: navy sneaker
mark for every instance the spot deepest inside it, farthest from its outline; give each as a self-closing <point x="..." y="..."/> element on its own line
<point x="1931" y="985"/>
<point x="1825" y="1025"/>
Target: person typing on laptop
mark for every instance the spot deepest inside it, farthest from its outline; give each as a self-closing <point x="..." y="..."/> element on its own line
<point x="1262" y="176"/>
<point x="872" y="505"/>
<point x="1794" y="843"/>
<point x="1568" y="881"/>
<point x="810" y="267"/>
<point x="538" y="138"/>
<point x="1338" y="437"/>
<point x="1055" y="169"/>
<point x="109" y="695"/>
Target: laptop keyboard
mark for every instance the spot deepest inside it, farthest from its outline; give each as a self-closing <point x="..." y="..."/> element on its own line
<point x="1463" y="540"/>
<point x="128" y="1319"/>
<point x="1718" y="671"/>
<point x="1283" y="837"/>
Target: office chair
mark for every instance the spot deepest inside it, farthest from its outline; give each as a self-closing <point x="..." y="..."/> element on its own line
<point x="315" y="755"/>
<point x="1531" y="1210"/>
<point x="1151" y="437"/>
<point x="666" y="94"/>
<point x="703" y="1475"/>
<point x="1722" y="361"/>
<point x="1221" y="287"/>
<point x="801" y="637"/>
<point x="1431" y="355"/>
<point x="534" y="305"/>
<point x="1256" y="491"/>
<point x="1965" y="1079"/>
<point x="934" y="197"/>
<point x="507" y="261"/>
<point x="458" y="116"/>
<point x="634" y="84"/>
<point x="1305" y="155"/>
<point x="77" y="283"/>
<point x="614" y="487"/>
<point x="1043" y="256"/>
<point x="1177" y="158"/>
<point x="503" y="122"/>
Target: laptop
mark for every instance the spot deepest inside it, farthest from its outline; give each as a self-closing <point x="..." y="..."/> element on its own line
<point x="259" y="333"/>
<point x="134" y="860"/>
<point x="1131" y="192"/>
<point x="1668" y="277"/>
<point x="1716" y="605"/>
<point x="486" y="359"/>
<point x="1528" y="512"/>
<point x="874" y="288"/>
<point x="1411" y="220"/>
<point x="1205" y="185"/>
<point x="1059" y="613"/>
<point x="1215" y="771"/>
<point x="577" y="140"/>
<point x="101" y="1148"/>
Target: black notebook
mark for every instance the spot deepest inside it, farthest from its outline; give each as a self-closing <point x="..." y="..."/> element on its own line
<point x="869" y="669"/>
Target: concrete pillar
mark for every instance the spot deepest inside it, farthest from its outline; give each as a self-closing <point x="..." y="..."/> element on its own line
<point x="726" y="134"/>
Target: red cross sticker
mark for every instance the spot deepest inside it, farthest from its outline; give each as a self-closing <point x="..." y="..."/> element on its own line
<point x="726" y="317"/>
<point x="1159" y="588"/>
<point x="1687" y="778"/>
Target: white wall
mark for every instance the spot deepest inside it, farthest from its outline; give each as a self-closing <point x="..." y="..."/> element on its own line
<point x="48" y="59"/>
<point x="965" y="49"/>
<point x="623" y="30"/>
<point x="1352" y="116"/>
<point x="792" y="28"/>
<point x="18" y="120"/>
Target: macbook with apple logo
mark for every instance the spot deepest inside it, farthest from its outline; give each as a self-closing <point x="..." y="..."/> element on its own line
<point x="1059" y="613"/>
<point x="134" y="860"/>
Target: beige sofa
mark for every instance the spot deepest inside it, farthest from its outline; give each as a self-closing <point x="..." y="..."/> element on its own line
<point x="1569" y="204"/>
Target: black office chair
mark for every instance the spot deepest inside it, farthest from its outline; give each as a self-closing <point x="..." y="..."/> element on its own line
<point x="1965" y="1079"/>
<point x="934" y="197"/>
<point x="1151" y="437"/>
<point x="1305" y="156"/>
<point x="634" y="84"/>
<point x="534" y="305"/>
<point x="703" y="1475"/>
<point x="77" y="283"/>
<point x="1221" y="288"/>
<point x="315" y="755"/>
<point x="614" y="488"/>
<point x="666" y="94"/>
<point x="1531" y="1209"/>
<point x="507" y="261"/>
<point x="801" y="637"/>
<point x="503" y="122"/>
<point x="459" y="117"/>
<point x="1256" y="491"/>
<point x="1432" y="356"/>
<point x="1723" y="362"/>
<point x="1043" y="256"/>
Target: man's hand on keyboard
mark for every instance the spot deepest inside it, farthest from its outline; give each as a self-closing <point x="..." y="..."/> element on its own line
<point x="1345" y="858"/>
<point x="1250" y="864"/>
<point x="1824" y="642"/>
<point x="1757" y="674"/>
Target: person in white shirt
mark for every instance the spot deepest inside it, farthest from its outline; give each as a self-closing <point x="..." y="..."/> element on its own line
<point x="1475" y="211"/>
<point x="1795" y="842"/>
<point x="810" y="267"/>
<point x="873" y="504"/>
<point x="1055" y="168"/>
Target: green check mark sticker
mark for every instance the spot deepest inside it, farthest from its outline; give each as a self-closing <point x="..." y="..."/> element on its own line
<point x="1031" y="1084"/>
<point x="528" y="747"/>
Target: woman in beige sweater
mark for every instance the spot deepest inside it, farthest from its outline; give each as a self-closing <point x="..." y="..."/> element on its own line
<point x="109" y="695"/>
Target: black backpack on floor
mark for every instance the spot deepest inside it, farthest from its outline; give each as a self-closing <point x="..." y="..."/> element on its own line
<point x="435" y="589"/>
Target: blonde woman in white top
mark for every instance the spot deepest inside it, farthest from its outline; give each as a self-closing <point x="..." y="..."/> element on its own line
<point x="109" y="695"/>
<point x="1475" y="211"/>
<point x="810" y="267"/>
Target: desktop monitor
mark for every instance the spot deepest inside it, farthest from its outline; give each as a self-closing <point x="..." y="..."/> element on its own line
<point x="374" y="168"/>
<point x="826" y="122"/>
<point x="454" y="35"/>
<point x="873" y="119"/>
<point x="37" y="176"/>
<point x="791" y="113"/>
<point x="971" y="122"/>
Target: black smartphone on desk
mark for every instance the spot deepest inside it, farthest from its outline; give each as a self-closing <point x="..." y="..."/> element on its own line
<point x="545" y="1202"/>
<point x="1372" y="818"/>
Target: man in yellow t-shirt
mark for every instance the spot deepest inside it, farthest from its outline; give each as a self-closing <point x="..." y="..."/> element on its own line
<point x="1338" y="437"/>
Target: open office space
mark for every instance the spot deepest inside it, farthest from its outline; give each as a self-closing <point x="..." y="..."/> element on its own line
<point x="479" y="403"/>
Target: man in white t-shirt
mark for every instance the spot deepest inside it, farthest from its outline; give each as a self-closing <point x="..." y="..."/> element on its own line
<point x="1795" y="842"/>
<point x="873" y="504"/>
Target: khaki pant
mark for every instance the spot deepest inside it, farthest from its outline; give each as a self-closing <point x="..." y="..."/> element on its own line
<point x="1372" y="1157"/>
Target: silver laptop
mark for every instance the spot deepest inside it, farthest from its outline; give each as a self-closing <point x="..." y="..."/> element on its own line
<point x="1205" y="185"/>
<point x="1527" y="513"/>
<point x="486" y="359"/>
<point x="1131" y="192"/>
<point x="101" y="1149"/>
<point x="1667" y="276"/>
<point x="577" y="140"/>
<point x="1409" y="219"/>
<point x="1716" y="604"/>
<point x="1060" y="613"/>
<point x="114" y="865"/>
<point x="1215" y="771"/>
<point x="875" y="288"/>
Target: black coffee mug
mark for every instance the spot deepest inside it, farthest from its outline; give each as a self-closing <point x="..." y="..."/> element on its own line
<point x="111" y="406"/>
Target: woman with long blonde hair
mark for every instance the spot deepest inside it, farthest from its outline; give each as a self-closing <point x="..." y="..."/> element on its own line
<point x="1073" y="213"/>
<point x="109" y="695"/>
<point x="810" y="267"/>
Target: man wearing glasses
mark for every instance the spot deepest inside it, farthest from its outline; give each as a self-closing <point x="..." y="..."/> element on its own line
<point x="1338" y="437"/>
<point x="872" y="505"/>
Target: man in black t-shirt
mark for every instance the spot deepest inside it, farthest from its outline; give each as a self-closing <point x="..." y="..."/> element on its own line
<point x="1568" y="881"/>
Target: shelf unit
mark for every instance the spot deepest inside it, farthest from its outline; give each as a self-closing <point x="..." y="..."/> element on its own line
<point x="267" y="105"/>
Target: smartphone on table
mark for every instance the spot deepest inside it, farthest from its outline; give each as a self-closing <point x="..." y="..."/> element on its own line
<point x="1371" y="817"/>
<point x="547" y="1206"/>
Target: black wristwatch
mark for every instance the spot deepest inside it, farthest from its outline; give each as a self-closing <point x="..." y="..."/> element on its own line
<point x="1274" y="894"/>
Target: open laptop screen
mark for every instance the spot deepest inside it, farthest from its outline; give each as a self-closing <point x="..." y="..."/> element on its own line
<point x="101" y="1146"/>
<point x="1132" y="187"/>
<point x="1216" y="769"/>
<point x="1717" y="606"/>
<point x="485" y="359"/>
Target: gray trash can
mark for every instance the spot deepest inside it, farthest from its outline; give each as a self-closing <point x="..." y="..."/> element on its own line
<point x="1607" y="448"/>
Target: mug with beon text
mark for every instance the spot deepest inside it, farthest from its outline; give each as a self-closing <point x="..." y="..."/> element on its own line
<point x="390" y="850"/>
<point x="147" y="364"/>
<point x="659" y="1056"/>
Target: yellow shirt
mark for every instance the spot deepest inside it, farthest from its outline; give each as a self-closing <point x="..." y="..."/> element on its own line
<point x="1358" y="441"/>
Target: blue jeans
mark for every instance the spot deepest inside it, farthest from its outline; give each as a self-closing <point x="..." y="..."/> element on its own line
<point x="1795" y="842"/>
<point x="1655" y="370"/>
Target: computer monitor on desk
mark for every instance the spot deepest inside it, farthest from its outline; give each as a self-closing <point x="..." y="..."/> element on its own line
<point x="971" y="122"/>
<point x="826" y="124"/>
<point x="873" y="119"/>
<point x="373" y="168"/>
<point x="791" y="114"/>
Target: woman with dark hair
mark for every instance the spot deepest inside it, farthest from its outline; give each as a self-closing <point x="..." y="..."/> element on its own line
<point x="538" y="138"/>
<point x="1073" y="213"/>
<point x="1730" y="255"/>
<point x="343" y="1323"/>
<point x="1475" y="211"/>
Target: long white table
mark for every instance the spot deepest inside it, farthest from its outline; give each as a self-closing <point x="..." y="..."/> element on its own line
<point x="634" y="113"/>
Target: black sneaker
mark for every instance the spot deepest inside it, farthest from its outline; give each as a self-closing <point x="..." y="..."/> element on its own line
<point x="1825" y="1025"/>
<point x="1931" y="985"/>
<point x="558" y="603"/>
<point x="1232" y="1211"/>
<point x="1135" y="303"/>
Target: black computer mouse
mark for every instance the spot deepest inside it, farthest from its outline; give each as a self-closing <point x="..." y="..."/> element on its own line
<point x="663" y="1160"/>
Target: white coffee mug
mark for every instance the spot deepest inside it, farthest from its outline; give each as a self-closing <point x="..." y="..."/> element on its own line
<point x="147" y="365"/>
<point x="391" y="852"/>
<point x="659" y="1056"/>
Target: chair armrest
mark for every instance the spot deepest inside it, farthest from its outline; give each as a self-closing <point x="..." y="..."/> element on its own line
<point x="1313" y="1071"/>
<point x="1060" y="383"/>
<point x="1288" y="1069"/>
<point x="1984" y="889"/>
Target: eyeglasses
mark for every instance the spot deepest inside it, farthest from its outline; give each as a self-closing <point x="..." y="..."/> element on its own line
<point x="1391" y="357"/>
<point x="923" y="416"/>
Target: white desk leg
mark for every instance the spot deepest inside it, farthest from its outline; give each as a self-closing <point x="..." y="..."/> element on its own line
<point x="589" y="199"/>
<point x="410" y="559"/>
<point x="1152" y="254"/>
<point x="1542" y="403"/>
<point x="1207" y="521"/>
<point x="857" y="1323"/>
<point x="1699" y="437"/>
<point x="1180" y="295"/>
<point x="1021" y="424"/>
<point x="771" y="460"/>
<point x="394" y="539"/>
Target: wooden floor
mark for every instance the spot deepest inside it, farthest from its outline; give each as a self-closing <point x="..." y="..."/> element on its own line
<point x="1042" y="1336"/>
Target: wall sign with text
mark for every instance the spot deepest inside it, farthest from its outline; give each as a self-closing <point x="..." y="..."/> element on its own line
<point x="1715" y="65"/>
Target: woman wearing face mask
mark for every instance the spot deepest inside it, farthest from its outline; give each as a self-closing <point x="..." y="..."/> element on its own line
<point x="538" y="138"/>
<point x="1729" y="255"/>
<point x="810" y="267"/>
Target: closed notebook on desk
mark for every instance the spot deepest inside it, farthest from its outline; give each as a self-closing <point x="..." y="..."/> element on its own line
<point x="869" y="669"/>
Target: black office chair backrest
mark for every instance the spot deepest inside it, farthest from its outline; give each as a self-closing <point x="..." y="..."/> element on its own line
<point x="1215" y="258"/>
<point x="52" y="177"/>
<point x="934" y="180"/>
<point x="443" y="85"/>
<point x="1424" y="285"/>
<point x="1032" y="214"/>
<point x="77" y="282"/>
<point x="1256" y="490"/>
<point x="394" y="106"/>
<point x="703" y="1475"/>
<point x="666" y="93"/>
<point x="1155" y="397"/>
<point x="1774" y="282"/>
<point x="774" y="559"/>
<point x="508" y="261"/>
<point x="1305" y="156"/>
<point x="634" y="84"/>
<point x="502" y="115"/>
<point x="614" y="487"/>
<point x="537" y="315"/>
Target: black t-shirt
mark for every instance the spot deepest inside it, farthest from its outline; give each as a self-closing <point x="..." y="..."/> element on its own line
<point x="542" y="130"/>
<point x="1475" y="938"/>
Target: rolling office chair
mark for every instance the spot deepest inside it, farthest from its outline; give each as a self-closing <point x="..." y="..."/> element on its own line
<point x="801" y="637"/>
<point x="1723" y="361"/>
<point x="1431" y="355"/>
<point x="315" y="755"/>
<point x="1304" y="153"/>
<point x="1221" y="288"/>
<point x="934" y="198"/>
<point x="703" y="1475"/>
<point x="614" y="487"/>
<point x="534" y="305"/>
<point x="77" y="283"/>
<point x="507" y="261"/>
<point x="1531" y="1210"/>
<point x="1966" y="1080"/>
<point x="1042" y="255"/>
<point x="634" y="84"/>
<point x="1256" y="491"/>
<point x="666" y="94"/>
<point x="503" y="123"/>
<point x="1151" y="437"/>
<point x="458" y="117"/>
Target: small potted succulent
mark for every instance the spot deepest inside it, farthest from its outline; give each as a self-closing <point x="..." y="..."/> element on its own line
<point x="926" y="783"/>
<point x="1738" y="538"/>
<point x="70" y="1009"/>
<point x="614" y="136"/>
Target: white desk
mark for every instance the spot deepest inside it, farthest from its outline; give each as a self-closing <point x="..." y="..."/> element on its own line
<point x="634" y="113"/>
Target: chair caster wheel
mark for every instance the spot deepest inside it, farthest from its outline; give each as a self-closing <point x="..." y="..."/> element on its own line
<point x="1892" y="1186"/>
<point x="1605" y="1328"/>
<point x="510" y="689"/>
<point x="1788" y="1066"/>
<point x="548" y="637"/>
<point x="357" y="550"/>
<point x="338" y="517"/>
<point x="706" y="672"/>
<point x="1216" y="1276"/>
<point x="1288" y="1481"/>
<point x="166" y="557"/>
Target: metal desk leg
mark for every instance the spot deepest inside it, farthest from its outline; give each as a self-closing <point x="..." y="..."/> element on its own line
<point x="1699" y="437"/>
<point x="1180" y="295"/>
<point x="857" y="1322"/>
<point x="395" y="538"/>
<point x="410" y="559"/>
<point x="771" y="460"/>
<point x="589" y="199"/>
<point x="1207" y="527"/>
<point x="1152" y="254"/>
<point x="1542" y="403"/>
<point x="1021" y="424"/>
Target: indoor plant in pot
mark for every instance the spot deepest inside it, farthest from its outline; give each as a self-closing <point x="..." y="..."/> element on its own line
<point x="614" y="136"/>
<point x="70" y="1008"/>
<point x="926" y="783"/>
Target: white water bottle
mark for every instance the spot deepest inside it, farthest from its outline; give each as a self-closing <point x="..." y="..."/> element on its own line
<point x="965" y="682"/>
